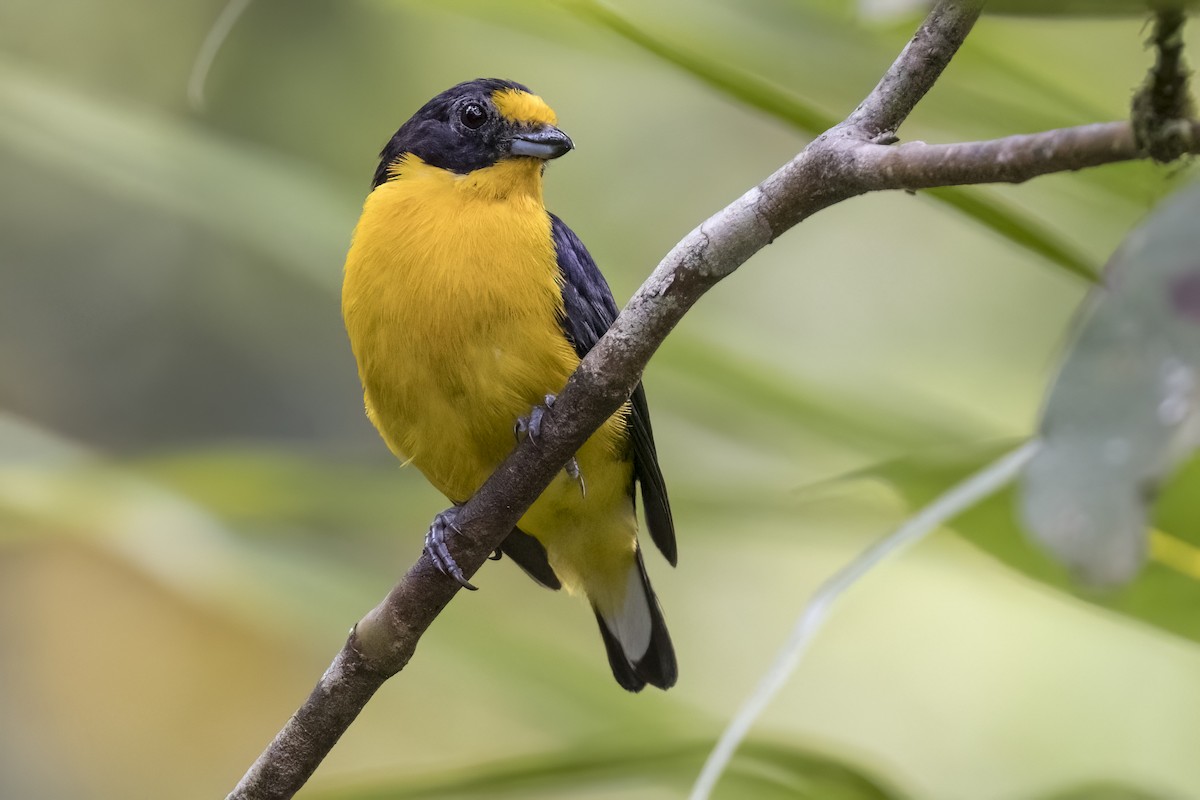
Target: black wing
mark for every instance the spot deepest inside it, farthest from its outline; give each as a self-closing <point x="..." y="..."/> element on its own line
<point x="590" y="310"/>
<point x="528" y="554"/>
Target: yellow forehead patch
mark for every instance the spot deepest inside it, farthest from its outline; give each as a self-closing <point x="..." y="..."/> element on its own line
<point x="523" y="107"/>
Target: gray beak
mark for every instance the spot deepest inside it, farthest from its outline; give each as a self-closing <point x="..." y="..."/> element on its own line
<point x="544" y="142"/>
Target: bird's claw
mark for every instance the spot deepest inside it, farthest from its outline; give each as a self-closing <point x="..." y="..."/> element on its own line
<point x="531" y="426"/>
<point x="572" y="470"/>
<point x="435" y="546"/>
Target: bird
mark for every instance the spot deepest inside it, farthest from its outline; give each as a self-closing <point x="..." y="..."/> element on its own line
<point x="468" y="305"/>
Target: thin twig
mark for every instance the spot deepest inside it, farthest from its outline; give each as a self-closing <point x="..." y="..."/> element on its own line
<point x="962" y="496"/>
<point x="213" y="41"/>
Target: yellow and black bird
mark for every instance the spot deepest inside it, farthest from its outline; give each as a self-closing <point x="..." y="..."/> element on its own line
<point x="468" y="306"/>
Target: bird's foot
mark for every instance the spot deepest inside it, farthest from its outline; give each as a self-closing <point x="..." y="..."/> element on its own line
<point x="435" y="545"/>
<point x="531" y="426"/>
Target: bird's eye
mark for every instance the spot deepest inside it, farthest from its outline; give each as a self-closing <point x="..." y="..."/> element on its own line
<point x="473" y="115"/>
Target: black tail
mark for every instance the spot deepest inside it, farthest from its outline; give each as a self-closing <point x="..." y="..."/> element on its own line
<point x="657" y="665"/>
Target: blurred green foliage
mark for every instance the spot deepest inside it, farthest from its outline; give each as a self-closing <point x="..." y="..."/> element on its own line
<point x="1165" y="592"/>
<point x="1124" y="409"/>
<point x="767" y="770"/>
<point x="193" y="510"/>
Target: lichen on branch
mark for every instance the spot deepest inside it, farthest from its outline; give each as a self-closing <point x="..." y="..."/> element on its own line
<point x="1163" y="107"/>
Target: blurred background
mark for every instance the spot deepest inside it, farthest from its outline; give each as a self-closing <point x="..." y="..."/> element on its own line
<point x="194" y="510"/>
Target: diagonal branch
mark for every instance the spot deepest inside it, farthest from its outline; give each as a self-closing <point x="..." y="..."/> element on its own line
<point x="840" y="164"/>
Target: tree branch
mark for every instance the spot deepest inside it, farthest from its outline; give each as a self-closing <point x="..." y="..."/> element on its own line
<point x="841" y="163"/>
<point x="916" y="70"/>
<point x="1013" y="159"/>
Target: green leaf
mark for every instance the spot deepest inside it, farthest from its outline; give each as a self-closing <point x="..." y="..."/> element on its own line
<point x="50" y="486"/>
<point x="247" y="194"/>
<point x="1088" y="8"/>
<point x="807" y="774"/>
<point x="1164" y="595"/>
<point x="1105" y="791"/>
<point x="740" y="84"/>
<point x="1124" y="410"/>
<point x="280" y="491"/>
<point x="789" y="402"/>
<point x="1018" y="228"/>
<point x="761" y="770"/>
<point x="759" y="93"/>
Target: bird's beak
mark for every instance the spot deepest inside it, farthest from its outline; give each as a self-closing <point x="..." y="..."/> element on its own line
<point x="543" y="141"/>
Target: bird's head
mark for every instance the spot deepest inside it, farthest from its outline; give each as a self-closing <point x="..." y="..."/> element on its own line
<point x="476" y="125"/>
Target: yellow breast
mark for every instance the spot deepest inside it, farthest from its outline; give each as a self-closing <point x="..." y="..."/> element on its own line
<point x="451" y="300"/>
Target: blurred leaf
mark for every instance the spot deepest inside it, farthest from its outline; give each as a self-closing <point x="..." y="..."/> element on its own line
<point x="761" y="770"/>
<point x="304" y="588"/>
<point x="806" y="774"/>
<point x="243" y="192"/>
<point x="1165" y="594"/>
<point x="1043" y="82"/>
<point x="1090" y="8"/>
<point x="765" y="96"/>
<point x="788" y="402"/>
<point x="283" y="491"/>
<point x="1106" y="791"/>
<point x="1125" y="407"/>
<point x="744" y="86"/>
<point x="1016" y="227"/>
<point x="49" y="486"/>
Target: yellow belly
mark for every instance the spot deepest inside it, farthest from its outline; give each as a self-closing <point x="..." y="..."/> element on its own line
<point x="451" y="300"/>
